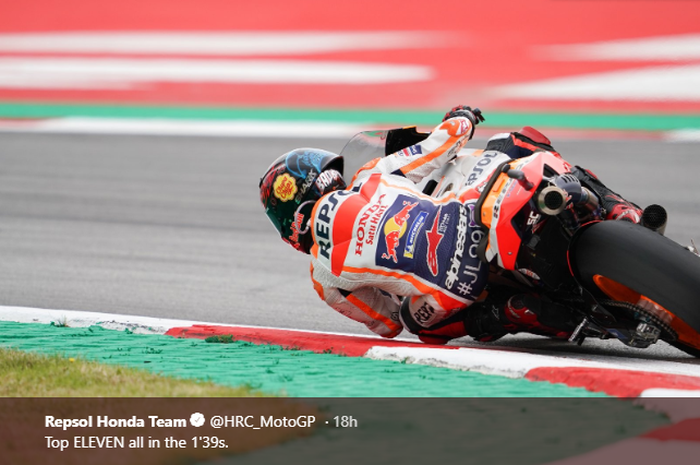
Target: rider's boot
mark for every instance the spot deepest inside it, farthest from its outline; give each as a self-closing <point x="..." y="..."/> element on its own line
<point x="616" y="208"/>
<point x="490" y="320"/>
<point x="527" y="313"/>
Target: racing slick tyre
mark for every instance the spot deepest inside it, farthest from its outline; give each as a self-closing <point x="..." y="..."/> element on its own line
<point x="625" y="262"/>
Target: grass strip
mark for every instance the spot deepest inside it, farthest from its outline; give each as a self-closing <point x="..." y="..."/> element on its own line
<point x="26" y="374"/>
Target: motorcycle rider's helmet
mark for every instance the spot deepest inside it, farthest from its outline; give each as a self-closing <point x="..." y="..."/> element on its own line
<point x="291" y="186"/>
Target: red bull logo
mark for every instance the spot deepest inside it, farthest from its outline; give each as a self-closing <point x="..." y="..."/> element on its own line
<point x="394" y="228"/>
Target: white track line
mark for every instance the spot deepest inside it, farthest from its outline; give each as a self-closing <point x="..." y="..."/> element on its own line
<point x="683" y="135"/>
<point x="179" y="127"/>
<point x="247" y="128"/>
<point x="663" y="48"/>
<point x="241" y="43"/>
<point x="657" y="83"/>
<point x="135" y="323"/>
<point x="516" y="364"/>
<point x="126" y="73"/>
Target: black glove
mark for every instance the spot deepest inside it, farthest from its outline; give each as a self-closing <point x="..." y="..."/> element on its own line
<point x="474" y="115"/>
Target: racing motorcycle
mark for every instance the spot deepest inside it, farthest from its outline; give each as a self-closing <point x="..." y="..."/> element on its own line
<point x="544" y="232"/>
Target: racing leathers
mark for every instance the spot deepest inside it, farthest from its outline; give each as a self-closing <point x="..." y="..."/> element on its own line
<point x="382" y="237"/>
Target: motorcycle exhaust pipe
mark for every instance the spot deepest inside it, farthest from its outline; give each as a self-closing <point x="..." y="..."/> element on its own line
<point x="576" y="193"/>
<point x="655" y="218"/>
<point x="588" y="200"/>
<point x="552" y="200"/>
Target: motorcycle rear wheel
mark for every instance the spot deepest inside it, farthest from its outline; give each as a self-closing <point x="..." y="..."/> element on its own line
<point x="625" y="262"/>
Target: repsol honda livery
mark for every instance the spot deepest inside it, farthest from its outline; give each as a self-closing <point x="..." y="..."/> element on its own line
<point x="445" y="241"/>
<point x="382" y="237"/>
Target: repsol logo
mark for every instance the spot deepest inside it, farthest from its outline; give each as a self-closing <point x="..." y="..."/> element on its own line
<point x="484" y="161"/>
<point x="424" y="313"/>
<point x="324" y="218"/>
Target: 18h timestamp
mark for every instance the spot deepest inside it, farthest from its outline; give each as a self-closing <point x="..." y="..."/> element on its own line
<point x="345" y="421"/>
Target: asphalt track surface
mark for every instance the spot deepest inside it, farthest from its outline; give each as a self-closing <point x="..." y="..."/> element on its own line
<point x="172" y="227"/>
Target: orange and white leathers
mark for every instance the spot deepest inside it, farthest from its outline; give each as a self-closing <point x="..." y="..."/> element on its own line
<point x="382" y="237"/>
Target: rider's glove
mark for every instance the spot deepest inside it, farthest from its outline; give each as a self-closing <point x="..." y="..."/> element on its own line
<point x="474" y="115"/>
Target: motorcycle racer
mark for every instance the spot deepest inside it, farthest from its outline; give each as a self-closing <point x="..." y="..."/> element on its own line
<point x="380" y="237"/>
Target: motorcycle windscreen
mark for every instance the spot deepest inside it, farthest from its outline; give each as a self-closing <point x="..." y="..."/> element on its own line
<point x="369" y="145"/>
<point x="362" y="148"/>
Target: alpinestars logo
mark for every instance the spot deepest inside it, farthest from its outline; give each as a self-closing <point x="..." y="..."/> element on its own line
<point x="434" y="237"/>
<point x="453" y="272"/>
